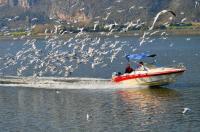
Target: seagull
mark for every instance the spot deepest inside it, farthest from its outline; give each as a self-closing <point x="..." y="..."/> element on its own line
<point x="87" y="117"/>
<point x="109" y="26"/>
<point x="130" y="24"/>
<point x="141" y="7"/>
<point x="74" y="4"/>
<point x="82" y="9"/>
<point x="132" y="7"/>
<point x="188" y="39"/>
<point x="118" y="1"/>
<point x="34" y="19"/>
<point x="107" y="15"/>
<point x="171" y="45"/>
<point x="196" y="4"/>
<point x="163" y="33"/>
<point x="109" y="8"/>
<point x="183" y="20"/>
<point x="160" y="13"/>
<point x="120" y="11"/>
<point x="154" y="33"/>
<point x="95" y="24"/>
<point x="185" y="110"/>
<point x="9" y="19"/>
<point x="57" y="91"/>
<point x="80" y="29"/>
<point x="16" y="17"/>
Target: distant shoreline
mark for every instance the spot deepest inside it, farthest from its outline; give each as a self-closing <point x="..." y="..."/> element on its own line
<point x="137" y="33"/>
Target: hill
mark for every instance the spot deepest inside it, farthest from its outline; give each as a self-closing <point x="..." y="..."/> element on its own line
<point x="89" y="11"/>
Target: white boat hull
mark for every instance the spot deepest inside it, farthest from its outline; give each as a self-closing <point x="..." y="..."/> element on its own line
<point x="156" y="77"/>
<point x="152" y="81"/>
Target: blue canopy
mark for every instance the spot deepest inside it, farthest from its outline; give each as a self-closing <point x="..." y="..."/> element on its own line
<point x="138" y="56"/>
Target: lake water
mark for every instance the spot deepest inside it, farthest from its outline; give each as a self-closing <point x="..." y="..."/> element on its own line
<point x="25" y="109"/>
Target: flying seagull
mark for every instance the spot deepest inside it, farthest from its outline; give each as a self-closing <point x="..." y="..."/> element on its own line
<point x="160" y="13"/>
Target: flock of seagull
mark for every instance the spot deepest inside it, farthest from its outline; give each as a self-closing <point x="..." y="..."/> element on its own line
<point x="56" y="55"/>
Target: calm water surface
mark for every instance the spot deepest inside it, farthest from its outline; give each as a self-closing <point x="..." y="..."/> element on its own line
<point x="157" y="109"/>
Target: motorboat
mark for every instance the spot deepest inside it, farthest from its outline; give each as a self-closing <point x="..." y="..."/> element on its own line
<point x="148" y="74"/>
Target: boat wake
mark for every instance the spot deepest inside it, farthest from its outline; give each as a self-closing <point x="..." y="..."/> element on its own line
<point x="59" y="83"/>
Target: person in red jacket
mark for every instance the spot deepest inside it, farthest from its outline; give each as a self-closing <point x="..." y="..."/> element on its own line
<point x="128" y="69"/>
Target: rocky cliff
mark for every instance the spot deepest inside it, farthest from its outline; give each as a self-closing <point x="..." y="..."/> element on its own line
<point x="106" y="11"/>
<point x="21" y="3"/>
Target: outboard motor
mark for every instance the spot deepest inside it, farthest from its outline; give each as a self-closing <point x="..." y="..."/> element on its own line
<point x="116" y="74"/>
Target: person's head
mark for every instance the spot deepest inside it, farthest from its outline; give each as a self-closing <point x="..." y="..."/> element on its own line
<point x="128" y="65"/>
<point x="141" y="63"/>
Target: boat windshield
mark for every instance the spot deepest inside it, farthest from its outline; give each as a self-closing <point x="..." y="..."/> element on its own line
<point x="150" y="66"/>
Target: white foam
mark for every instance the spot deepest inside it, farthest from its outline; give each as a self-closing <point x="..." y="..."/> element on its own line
<point x="61" y="83"/>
